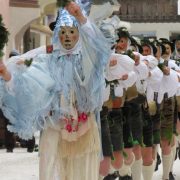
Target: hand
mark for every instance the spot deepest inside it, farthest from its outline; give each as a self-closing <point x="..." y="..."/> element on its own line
<point x="137" y="59"/>
<point x="124" y="77"/>
<point x="75" y="11"/>
<point x="20" y="62"/>
<point x="146" y="62"/>
<point x="149" y="74"/>
<point x="113" y="62"/>
<point x="4" y="72"/>
<point x="166" y="71"/>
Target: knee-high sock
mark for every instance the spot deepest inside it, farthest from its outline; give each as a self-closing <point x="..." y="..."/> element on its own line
<point x="112" y="169"/>
<point x="101" y="177"/>
<point x="148" y="171"/>
<point x="173" y="150"/>
<point x="137" y="169"/>
<point x="126" y="169"/>
<point x="166" y="162"/>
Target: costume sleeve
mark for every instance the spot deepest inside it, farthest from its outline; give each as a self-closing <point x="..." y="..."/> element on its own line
<point x="124" y="65"/>
<point x="95" y="56"/>
<point x="169" y="85"/>
<point x="153" y="84"/>
<point x="27" y="98"/>
<point x="173" y="65"/>
<point x="156" y="76"/>
<point x="132" y="78"/>
<point x="141" y="71"/>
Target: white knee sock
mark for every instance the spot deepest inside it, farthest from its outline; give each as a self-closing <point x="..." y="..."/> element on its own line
<point x="126" y="169"/>
<point x="101" y="177"/>
<point x="148" y="171"/>
<point x="137" y="170"/>
<point x="173" y="150"/>
<point x="166" y="162"/>
<point x="112" y="169"/>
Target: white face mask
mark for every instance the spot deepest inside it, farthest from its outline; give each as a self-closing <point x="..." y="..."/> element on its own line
<point x="68" y="37"/>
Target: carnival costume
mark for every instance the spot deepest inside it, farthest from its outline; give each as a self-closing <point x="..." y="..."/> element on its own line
<point x="61" y="93"/>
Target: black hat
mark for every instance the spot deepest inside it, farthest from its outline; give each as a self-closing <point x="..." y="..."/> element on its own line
<point x="166" y="41"/>
<point x="136" y="44"/>
<point x="163" y="48"/>
<point x="147" y="42"/>
<point x="177" y="38"/>
<point x="14" y="52"/>
<point x="52" y="25"/>
<point x="123" y="32"/>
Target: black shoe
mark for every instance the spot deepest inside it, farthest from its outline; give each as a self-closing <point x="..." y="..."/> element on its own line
<point x="177" y="151"/>
<point x="112" y="176"/>
<point x="158" y="162"/>
<point x="171" y="176"/>
<point x="36" y="148"/>
<point x="126" y="178"/>
<point x="30" y="150"/>
<point x="9" y="150"/>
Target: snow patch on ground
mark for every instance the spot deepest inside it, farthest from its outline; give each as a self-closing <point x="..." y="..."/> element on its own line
<point x="21" y="165"/>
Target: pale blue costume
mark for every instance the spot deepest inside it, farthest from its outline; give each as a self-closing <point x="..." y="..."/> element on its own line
<point x="38" y="90"/>
<point x="30" y="95"/>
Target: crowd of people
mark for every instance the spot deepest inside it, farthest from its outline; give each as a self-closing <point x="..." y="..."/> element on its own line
<point x="146" y="114"/>
<point x="103" y="99"/>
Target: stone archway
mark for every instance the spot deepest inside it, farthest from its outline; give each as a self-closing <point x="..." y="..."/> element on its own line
<point x="19" y="19"/>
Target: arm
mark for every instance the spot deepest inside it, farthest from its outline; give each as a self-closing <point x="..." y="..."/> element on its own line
<point x="75" y="11"/>
<point x="141" y="70"/>
<point x="4" y="72"/>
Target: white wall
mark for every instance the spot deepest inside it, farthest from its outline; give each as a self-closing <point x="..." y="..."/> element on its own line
<point x="162" y="30"/>
<point x="20" y="18"/>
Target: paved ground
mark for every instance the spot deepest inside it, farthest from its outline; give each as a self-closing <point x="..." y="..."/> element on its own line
<point x="21" y="165"/>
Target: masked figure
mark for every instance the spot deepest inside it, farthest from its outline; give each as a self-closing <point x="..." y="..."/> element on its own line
<point x="61" y="93"/>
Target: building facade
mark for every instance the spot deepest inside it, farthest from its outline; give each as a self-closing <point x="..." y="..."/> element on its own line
<point x="27" y="22"/>
<point x="151" y="17"/>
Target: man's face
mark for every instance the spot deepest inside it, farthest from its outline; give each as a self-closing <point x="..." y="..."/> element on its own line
<point x="68" y="36"/>
<point x="122" y="45"/>
<point x="178" y="45"/>
<point x="146" y="50"/>
<point x="158" y="53"/>
<point x="168" y="49"/>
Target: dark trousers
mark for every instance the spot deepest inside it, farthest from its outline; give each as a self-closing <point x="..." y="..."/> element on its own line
<point x="9" y="136"/>
<point x="28" y="144"/>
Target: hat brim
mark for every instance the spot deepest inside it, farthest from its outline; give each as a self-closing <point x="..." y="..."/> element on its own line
<point x="52" y="25"/>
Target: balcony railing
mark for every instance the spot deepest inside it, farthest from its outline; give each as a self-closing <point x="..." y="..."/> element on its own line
<point x="24" y="3"/>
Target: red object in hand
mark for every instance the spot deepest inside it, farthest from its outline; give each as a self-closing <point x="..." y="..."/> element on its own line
<point x="49" y="49"/>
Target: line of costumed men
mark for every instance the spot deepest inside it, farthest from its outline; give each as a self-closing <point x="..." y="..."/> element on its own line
<point x="103" y="100"/>
<point x="141" y="105"/>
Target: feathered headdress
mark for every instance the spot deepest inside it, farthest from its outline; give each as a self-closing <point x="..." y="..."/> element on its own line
<point x="3" y="36"/>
